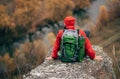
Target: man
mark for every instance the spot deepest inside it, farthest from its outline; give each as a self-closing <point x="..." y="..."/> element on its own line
<point x="69" y="24"/>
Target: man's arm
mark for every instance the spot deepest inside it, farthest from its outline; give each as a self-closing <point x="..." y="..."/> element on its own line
<point x="88" y="48"/>
<point x="56" y="48"/>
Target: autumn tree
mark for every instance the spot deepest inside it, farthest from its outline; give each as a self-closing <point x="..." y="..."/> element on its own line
<point x="113" y="7"/>
<point x="103" y="17"/>
<point x="26" y="13"/>
<point x="55" y="10"/>
<point x="8" y="65"/>
<point x="14" y="26"/>
<point x="30" y="55"/>
<point x="7" y="27"/>
<point x="79" y="4"/>
<point x="5" y="19"/>
<point x="81" y="7"/>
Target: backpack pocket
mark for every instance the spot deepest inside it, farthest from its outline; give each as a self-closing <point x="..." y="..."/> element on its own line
<point x="68" y="48"/>
<point x="81" y="44"/>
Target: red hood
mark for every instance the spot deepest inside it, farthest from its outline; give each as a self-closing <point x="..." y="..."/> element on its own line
<point x="69" y="22"/>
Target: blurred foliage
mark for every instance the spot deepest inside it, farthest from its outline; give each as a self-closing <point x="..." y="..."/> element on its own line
<point x="28" y="15"/>
<point x="51" y="38"/>
<point x="103" y="17"/>
<point x="79" y="4"/>
<point x="7" y="67"/>
<point x="113" y="7"/>
<point x="27" y="57"/>
<point x="107" y="26"/>
<point x="108" y="13"/>
<point x="5" y="19"/>
<point x="21" y="17"/>
<point x="26" y="12"/>
<point x="56" y="10"/>
<point x="30" y="55"/>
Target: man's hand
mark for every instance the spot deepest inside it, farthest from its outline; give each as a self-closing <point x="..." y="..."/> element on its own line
<point x="49" y="58"/>
<point x="98" y="58"/>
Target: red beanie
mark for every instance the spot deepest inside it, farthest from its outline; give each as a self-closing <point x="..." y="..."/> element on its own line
<point x="69" y="22"/>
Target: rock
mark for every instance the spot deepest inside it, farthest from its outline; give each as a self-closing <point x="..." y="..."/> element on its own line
<point x="88" y="69"/>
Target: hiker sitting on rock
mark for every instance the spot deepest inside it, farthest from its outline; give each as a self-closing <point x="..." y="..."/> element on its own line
<point x="72" y="44"/>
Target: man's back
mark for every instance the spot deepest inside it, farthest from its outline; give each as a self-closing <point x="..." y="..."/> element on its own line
<point x="69" y="24"/>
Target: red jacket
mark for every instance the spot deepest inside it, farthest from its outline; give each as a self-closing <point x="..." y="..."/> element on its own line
<point x="69" y="24"/>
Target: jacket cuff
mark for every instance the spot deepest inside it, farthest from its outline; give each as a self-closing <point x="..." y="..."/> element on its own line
<point x="92" y="57"/>
<point x="54" y="58"/>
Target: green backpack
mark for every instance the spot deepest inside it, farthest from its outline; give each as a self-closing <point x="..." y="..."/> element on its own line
<point x="72" y="46"/>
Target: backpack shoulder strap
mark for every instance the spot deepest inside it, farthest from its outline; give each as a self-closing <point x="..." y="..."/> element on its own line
<point x="78" y="31"/>
<point x="64" y="29"/>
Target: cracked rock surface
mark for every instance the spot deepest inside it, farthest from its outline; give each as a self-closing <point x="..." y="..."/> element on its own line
<point x="88" y="69"/>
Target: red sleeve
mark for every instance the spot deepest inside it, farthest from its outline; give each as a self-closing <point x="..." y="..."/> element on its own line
<point x="88" y="47"/>
<point x="56" y="47"/>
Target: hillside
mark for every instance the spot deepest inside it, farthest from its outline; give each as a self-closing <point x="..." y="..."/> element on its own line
<point x="109" y="39"/>
<point x="107" y="32"/>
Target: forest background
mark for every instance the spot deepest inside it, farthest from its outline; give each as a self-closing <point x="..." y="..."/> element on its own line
<point x="28" y="29"/>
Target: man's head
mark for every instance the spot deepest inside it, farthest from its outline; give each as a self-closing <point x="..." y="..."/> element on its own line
<point x="69" y="22"/>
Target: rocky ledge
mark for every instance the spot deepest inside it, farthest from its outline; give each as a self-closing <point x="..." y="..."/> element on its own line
<point x="88" y="69"/>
